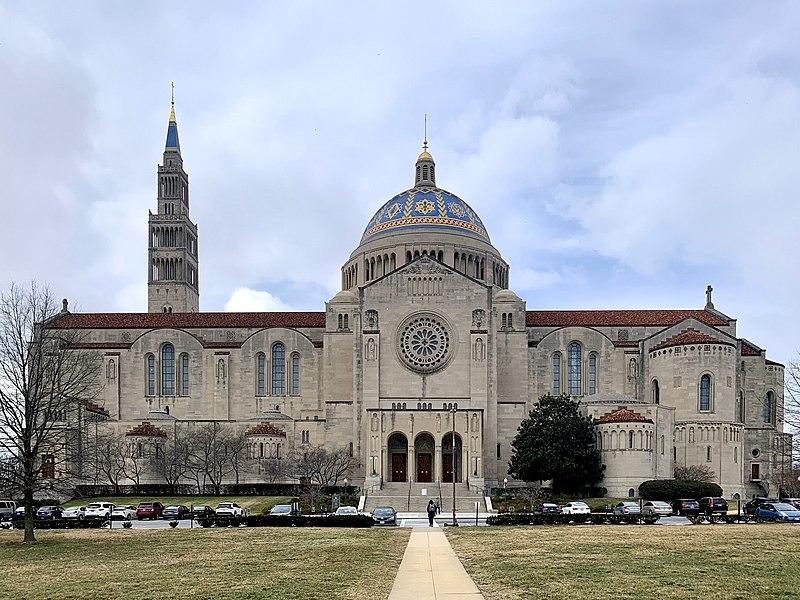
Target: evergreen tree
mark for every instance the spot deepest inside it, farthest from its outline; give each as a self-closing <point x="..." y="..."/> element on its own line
<point x="556" y="442"/>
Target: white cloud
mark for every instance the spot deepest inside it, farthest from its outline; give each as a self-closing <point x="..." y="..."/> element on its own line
<point x="248" y="300"/>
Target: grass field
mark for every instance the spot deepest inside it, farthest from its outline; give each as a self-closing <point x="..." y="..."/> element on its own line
<point x="223" y="564"/>
<point x="599" y="562"/>
<point x="256" y="504"/>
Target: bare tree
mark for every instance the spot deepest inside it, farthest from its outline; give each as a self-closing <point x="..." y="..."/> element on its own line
<point x="236" y="445"/>
<point x="272" y="469"/>
<point x="334" y="465"/>
<point x="171" y="459"/>
<point x="791" y="405"/>
<point x="106" y="460"/>
<point x="210" y="454"/>
<point x="43" y="376"/>
<point x="699" y="473"/>
<point x="136" y="460"/>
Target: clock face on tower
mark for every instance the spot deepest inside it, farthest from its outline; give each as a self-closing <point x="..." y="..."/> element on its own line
<point x="424" y="343"/>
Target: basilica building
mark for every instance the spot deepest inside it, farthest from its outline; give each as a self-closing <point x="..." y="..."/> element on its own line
<point x="426" y="362"/>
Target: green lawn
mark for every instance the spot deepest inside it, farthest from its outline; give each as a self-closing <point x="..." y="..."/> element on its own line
<point x="256" y="504"/>
<point x="628" y="561"/>
<point x="227" y="564"/>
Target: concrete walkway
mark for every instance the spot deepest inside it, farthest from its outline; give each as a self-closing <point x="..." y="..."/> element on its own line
<point x="431" y="570"/>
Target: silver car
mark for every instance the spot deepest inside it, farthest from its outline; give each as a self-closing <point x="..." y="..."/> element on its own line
<point x="656" y="508"/>
<point x="625" y="509"/>
<point x="346" y="510"/>
<point x="74" y="512"/>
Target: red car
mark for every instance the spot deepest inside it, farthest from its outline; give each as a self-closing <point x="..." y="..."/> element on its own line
<point x="149" y="510"/>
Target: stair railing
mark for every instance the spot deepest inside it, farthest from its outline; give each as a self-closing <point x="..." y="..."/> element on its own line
<point x="408" y="504"/>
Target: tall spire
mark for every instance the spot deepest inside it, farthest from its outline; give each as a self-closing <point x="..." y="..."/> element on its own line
<point x="173" y="143"/>
<point x="425" y="175"/>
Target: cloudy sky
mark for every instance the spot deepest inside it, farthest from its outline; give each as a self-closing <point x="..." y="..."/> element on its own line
<point x="620" y="154"/>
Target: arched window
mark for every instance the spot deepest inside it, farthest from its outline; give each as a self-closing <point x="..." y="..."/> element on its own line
<point x="592" y="382"/>
<point x="708" y="453"/>
<point x="150" y="369"/>
<point x="346" y="322"/>
<point x="736" y="454"/>
<point x="168" y="370"/>
<point x="574" y="368"/>
<point x="662" y="445"/>
<point x="705" y="393"/>
<point x="261" y="374"/>
<point x="295" y="386"/>
<point x="768" y="414"/>
<point x="631" y="493"/>
<point x="630" y="439"/>
<point x="184" y="374"/>
<point x="557" y="373"/>
<point x="278" y="369"/>
<point x="656" y="392"/>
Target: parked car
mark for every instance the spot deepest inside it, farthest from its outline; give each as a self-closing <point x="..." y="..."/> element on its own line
<point x="656" y="508"/>
<point x="751" y="506"/>
<point x="98" y="510"/>
<point x="7" y="508"/>
<point x="713" y="506"/>
<point x="283" y="510"/>
<point x="548" y="508"/>
<point x="74" y="512"/>
<point x="346" y="510"/>
<point x="149" y="510"/>
<point x="686" y="507"/>
<point x="123" y="513"/>
<point x="778" y="511"/>
<point x="176" y="511"/>
<point x="576" y="508"/>
<point x="229" y="509"/>
<point x="384" y="515"/>
<point x="793" y="501"/>
<point x="203" y="510"/>
<point x="49" y="513"/>
<point x="625" y="509"/>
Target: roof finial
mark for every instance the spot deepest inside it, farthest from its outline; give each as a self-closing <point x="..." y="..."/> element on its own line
<point x="709" y="303"/>
<point x="425" y="137"/>
<point x="172" y="104"/>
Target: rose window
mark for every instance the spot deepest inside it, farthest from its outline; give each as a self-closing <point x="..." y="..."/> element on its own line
<point x="424" y="343"/>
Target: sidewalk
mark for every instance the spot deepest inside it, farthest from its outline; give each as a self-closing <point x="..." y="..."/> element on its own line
<point x="430" y="570"/>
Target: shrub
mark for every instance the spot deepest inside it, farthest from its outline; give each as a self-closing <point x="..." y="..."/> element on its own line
<point x="671" y="489"/>
<point x="288" y="521"/>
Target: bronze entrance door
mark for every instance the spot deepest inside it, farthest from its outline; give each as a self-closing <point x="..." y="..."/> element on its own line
<point x="447" y="468"/>
<point x="424" y="474"/>
<point x="399" y="466"/>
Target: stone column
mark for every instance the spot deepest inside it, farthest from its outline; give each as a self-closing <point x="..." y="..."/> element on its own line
<point x="437" y="462"/>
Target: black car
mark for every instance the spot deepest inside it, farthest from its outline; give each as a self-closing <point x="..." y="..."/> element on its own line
<point x="686" y="507"/>
<point x="384" y="515"/>
<point x="48" y="513"/>
<point x="710" y="506"/>
<point x="176" y="511"/>
<point x="203" y="510"/>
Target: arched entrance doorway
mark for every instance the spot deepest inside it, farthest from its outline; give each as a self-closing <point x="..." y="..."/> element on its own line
<point x="424" y="447"/>
<point x="398" y="457"/>
<point x="449" y="458"/>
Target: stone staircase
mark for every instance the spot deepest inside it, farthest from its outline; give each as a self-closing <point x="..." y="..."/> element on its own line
<point x="414" y="497"/>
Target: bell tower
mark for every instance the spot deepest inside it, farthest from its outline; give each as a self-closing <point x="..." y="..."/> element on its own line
<point x="172" y="277"/>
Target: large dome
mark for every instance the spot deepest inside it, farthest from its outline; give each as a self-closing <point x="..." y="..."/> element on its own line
<point x="428" y="209"/>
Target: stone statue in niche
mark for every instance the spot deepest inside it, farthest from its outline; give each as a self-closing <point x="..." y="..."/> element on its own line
<point x="438" y="423"/>
<point x="474" y="422"/>
<point x="411" y="423"/>
<point x="221" y="372"/>
<point x="478" y="318"/>
<point x="372" y="319"/>
<point x="633" y="369"/>
<point x="374" y="425"/>
<point x="370" y="352"/>
<point x="479" y="351"/>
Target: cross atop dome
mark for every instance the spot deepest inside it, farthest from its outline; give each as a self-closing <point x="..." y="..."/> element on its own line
<point x="425" y="167"/>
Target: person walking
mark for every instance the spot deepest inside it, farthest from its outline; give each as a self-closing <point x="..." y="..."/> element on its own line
<point x="431" y="512"/>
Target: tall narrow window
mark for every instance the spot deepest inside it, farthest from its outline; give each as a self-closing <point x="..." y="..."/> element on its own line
<point x="168" y="370"/>
<point x="705" y="393"/>
<point x="592" y="373"/>
<point x="151" y="375"/>
<point x="261" y="374"/>
<point x="656" y="392"/>
<point x="295" y="389"/>
<point x="278" y="369"/>
<point x="184" y="374"/>
<point x="557" y="373"/>
<point x="768" y="413"/>
<point x="574" y="368"/>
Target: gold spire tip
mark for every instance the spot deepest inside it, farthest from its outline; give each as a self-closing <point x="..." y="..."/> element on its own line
<point x="172" y="104"/>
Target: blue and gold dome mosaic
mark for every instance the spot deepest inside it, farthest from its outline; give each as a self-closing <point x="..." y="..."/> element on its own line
<point x="425" y="208"/>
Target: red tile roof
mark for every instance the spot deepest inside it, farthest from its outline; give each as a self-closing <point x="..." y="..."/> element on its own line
<point x="189" y="320"/>
<point x="749" y="350"/>
<point x="95" y="408"/>
<point x="266" y="429"/>
<point x="623" y="415"/>
<point x="146" y="429"/>
<point x="618" y="318"/>
<point x="773" y="363"/>
<point x="690" y="336"/>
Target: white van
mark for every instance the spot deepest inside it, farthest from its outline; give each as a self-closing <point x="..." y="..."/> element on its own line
<point x="7" y="508"/>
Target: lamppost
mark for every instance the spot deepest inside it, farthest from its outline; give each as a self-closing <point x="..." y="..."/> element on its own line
<point x="505" y="482"/>
<point x="345" y="485"/>
<point x="453" y="448"/>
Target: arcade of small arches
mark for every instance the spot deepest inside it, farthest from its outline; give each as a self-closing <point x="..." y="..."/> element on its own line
<point x="629" y="439"/>
<point x="172" y="269"/>
<point x="425" y="461"/>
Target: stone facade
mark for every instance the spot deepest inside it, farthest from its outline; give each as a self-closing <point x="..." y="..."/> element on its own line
<point x="426" y="358"/>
